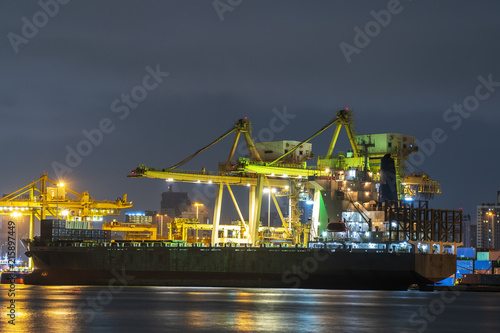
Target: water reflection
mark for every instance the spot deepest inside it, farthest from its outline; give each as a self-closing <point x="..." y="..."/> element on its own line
<point x="59" y="309"/>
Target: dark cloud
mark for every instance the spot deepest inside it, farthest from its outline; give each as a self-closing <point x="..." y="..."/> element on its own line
<point x="264" y="55"/>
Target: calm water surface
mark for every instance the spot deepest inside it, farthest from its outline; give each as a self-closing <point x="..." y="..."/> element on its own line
<point x="179" y="309"/>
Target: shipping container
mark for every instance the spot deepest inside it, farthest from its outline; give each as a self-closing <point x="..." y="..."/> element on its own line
<point x="465" y="271"/>
<point x="496" y="270"/>
<point x="479" y="264"/>
<point x="464" y="264"/>
<point x="494" y="255"/>
<point x="471" y="279"/>
<point x="483" y="256"/>
<point x="483" y="271"/>
<point x="490" y="280"/>
<point x="466" y="252"/>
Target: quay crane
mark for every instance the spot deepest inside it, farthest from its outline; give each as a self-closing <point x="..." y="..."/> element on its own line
<point x="45" y="197"/>
<point x="337" y="184"/>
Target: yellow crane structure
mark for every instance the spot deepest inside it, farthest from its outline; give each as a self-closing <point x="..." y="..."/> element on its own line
<point x="226" y="177"/>
<point x="133" y="230"/>
<point x="294" y="180"/>
<point x="45" y="197"/>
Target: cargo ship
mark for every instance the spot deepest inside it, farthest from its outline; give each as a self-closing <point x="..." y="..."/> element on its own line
<point x="371" y="225"/>
<point x="321" y="265"/>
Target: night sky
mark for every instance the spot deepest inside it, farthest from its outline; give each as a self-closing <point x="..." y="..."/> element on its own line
<point x="160" y="79"/>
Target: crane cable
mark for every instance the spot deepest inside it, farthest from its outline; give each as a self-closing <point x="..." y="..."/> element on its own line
<point x="202" y="149"/>
<point x="330" y="123"/>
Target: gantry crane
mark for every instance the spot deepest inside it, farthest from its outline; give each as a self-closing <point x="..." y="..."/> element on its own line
<point x="293" y="179"/>
<point x="39" y="200"/>
<point x="226" y="177"/>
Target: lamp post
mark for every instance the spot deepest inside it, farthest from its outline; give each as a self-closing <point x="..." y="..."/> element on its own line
<point x="492" y="229"/>
<point x="266" y="190"/>
<point x="197" y="205"/>
<point x="57" y="199"/>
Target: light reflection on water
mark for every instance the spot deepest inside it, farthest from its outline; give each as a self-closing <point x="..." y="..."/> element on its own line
<point x="61" y="309"/>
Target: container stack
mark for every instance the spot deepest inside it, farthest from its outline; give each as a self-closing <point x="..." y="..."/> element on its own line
<point x="481" y="269"/>
<point x="465" y="261"/>
<point x="59" y="230"/>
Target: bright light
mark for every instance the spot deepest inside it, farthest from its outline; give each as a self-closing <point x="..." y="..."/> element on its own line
<point x="60" y="184"/>
<point x="272" y="175"/>
<point x="285" y="176"/>
<point x="210" y="182"/>
<point x="169" y="180"/>
<point x="324" y="234"/>
<point x="65" y="213"/>
<point x="327" y="170"/>
<point x="408" y="199"/>
<point x="310" y="202"/>
<point x="394" y="224"/>
<point x="198" y="181"/>
<point x="16" y="214"/>
<point x="248" y="185"/>
<point x="287" y="187"/>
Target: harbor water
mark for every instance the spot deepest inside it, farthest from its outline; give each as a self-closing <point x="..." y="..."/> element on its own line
<point x="180" y="309"/>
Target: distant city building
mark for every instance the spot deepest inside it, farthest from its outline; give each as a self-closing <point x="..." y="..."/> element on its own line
<point x="174" y="204"/>
<point x="488" y="233"/>
<point x="191" y="213"/>
<point x="138" y="217"/>
<point x="469" y="232"/>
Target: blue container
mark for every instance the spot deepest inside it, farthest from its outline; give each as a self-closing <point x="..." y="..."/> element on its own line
<point x="446" y="282"/>
<point x="464" y="271"/>
<point x="482" y="264"/>
<point x="466" y="252"/>
<point x="464" y="264"/>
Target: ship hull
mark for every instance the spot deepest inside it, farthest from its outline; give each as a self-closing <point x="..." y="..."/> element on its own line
<point x="236" y="267"/>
